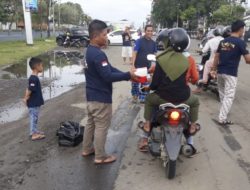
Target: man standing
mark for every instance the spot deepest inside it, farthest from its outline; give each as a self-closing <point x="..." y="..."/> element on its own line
<point x="143" y="47"/>
<point x="226" y="62"/>
<point x="99" y="78"/>
<point x="126" y="45"/>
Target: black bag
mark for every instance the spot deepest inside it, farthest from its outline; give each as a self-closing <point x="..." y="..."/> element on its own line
<point x="70" y="134"/>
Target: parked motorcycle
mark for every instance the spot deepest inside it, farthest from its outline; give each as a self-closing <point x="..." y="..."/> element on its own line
<point x="72" y="42"/>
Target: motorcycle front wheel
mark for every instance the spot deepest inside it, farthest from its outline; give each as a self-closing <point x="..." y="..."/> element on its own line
<point x="170" y="169"/>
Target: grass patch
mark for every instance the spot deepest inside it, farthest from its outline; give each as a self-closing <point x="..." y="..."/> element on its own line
<point x="15" y="51"/>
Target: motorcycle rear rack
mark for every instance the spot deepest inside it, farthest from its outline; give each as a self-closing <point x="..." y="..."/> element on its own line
<point x="179" y="106"/>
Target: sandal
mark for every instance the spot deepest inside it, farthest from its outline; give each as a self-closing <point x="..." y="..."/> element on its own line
<point x="197" y="129"/>
<point x="143" y="145"/>
<point x="85" y="154"/>
<point x="195" y="152"/>
<point x="37" y="136"/>
<point x="106" y="160"/>
<point x="226" y="122"/>
<point x="141" y="126"/>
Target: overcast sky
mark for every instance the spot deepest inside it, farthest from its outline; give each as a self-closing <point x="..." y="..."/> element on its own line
<point x="115" y="10"/>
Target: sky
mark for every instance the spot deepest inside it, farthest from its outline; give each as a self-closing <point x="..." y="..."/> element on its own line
<point x="114" y="10"/>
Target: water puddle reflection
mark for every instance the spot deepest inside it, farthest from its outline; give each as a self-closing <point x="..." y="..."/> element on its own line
<point x="62" y="72"/>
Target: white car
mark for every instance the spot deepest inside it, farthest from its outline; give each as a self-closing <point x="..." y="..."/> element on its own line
<point x="115" y="37"/>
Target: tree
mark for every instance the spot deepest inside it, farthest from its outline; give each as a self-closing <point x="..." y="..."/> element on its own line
<point x="10" y="11"/>
<point x="165" y="12"/>
<point x="226" y="14"/>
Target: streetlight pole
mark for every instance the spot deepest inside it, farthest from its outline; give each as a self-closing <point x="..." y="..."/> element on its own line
<point x="59" y="14"/>
<point x="178" y="7"/>
<point x="53" y="4"/>
<point x="48" y="17"/>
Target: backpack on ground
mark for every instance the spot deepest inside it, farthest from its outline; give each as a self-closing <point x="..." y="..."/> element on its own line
<point x="70" y="134"/>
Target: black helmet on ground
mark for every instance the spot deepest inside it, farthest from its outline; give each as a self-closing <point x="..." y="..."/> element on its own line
<point x="179" y="39"/>
<point x="226" y="31"/>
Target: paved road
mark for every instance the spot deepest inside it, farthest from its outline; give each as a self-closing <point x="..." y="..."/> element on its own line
<point x="223" y="162"/>
<point x="4" y="36"/>
<point x="224" y="159"/>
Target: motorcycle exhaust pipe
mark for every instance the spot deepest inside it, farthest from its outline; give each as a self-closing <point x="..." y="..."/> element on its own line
<point x="187" y="150"/>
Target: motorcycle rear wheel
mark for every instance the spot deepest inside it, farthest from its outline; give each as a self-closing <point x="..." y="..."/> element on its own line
<point x="170" y="169"/>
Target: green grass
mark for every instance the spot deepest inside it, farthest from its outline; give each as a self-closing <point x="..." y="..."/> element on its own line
<point x="15" y="51"/>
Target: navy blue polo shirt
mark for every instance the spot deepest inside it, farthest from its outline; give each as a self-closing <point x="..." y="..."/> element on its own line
<point x="231" y="49"/>
<point x="126" y="39"/>
<point x="100" y="75"/>
<point x="143" y="47"/>
<point x="36" y="97"/>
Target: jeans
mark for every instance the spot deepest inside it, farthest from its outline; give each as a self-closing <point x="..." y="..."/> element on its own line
<point x="33" y="114"/>
<point x="136" y="90"/>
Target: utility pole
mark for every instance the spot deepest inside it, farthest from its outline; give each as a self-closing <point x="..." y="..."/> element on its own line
<point x="59" y="14"/>
<point x="177" y="20"/>
<point x="48" y="17"/>
<point x="53" y="9"/>
<point x="28" y="24"/>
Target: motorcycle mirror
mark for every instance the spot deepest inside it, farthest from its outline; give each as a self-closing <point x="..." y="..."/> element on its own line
<point x="151" y="57"/>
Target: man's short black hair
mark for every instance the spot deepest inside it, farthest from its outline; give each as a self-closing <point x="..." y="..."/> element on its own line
<point x="34" y="61"/>
<point x="148" y="26"/>
<point x="96" y="27"/>
<point x="237" y="25"/>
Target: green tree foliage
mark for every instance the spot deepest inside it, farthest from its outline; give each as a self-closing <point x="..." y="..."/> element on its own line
<point x="227" y="13"/>
<point x="71" y="13"/>
<point x="166" y="12"/>
<point x="10" y="10"/>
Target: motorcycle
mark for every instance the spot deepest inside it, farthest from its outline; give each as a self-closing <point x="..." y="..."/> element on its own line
<point x="169" y="124"/>
<point x="212" y="82"/>
<point x="72" y="42"/>
<point x="165" y="140"/>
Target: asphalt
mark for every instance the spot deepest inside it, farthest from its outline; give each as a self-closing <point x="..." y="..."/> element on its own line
<point x="222" y="163"/>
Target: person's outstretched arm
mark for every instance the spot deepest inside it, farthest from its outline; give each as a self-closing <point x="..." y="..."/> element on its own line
<point x="109" y="73"/>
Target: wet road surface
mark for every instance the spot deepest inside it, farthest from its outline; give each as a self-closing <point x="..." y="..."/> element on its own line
<point x="62" y="71"/>
<point x="222" y="164"/>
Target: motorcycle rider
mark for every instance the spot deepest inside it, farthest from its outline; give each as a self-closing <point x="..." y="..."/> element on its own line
<point x="212" y="46"/>
<point x="169" y="81"/>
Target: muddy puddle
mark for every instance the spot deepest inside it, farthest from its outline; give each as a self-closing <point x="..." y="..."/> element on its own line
<point x="63" y="70"/>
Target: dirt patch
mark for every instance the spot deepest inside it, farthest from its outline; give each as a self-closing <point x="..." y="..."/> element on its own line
<point x="18" y="153"/>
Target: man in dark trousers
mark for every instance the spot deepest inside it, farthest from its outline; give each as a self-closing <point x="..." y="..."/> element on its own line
<point x="143" y="47"/>
<point x="99" y="78"/>
<point x="226" y="62"/>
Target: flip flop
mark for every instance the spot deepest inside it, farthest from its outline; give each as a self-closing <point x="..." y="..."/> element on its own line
<point x="141" y="126"/>
<point x="197" y="129"/>
<point x="226" y="122"/>
<point x="143" y="145"/>
<point x="37" y="137"/>
<point x="107" y="160"/>
<point x="195" y="151"/>
<point x="85" y="154"/>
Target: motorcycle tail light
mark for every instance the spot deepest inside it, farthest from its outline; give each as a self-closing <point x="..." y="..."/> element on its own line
<point x="174" y="117"/>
